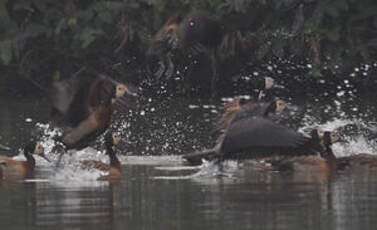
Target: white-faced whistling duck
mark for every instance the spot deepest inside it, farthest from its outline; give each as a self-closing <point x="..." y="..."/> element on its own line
<point x="361" y="161"/>
<point x="198" y="31"/>
<point x="234" y="111"/>
<point x="326" y="162"/>
<point x="4" y="148"/>
<point x="114" y="167"/>
<point x="252" y="134"/>
<point x="11" y="168"/>
<point x="84" y="105"/>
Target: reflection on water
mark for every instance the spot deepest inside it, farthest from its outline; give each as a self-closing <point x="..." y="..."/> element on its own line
<point x="161" y="192"/>
<point x="247" y="200"/>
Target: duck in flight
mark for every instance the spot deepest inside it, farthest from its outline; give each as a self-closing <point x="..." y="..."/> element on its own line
<point x="83" y="106"/>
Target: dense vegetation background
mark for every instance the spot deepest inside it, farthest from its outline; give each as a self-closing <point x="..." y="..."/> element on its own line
<point x="44" y="40"/>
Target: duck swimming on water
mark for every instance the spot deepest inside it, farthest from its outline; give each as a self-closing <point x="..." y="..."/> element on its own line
<point x="11" y="168"/>
<point x="114" y="167"/>
<point x="361" y="161"/>
<point x="83" y="104"/>
<point x="325" y="162"/>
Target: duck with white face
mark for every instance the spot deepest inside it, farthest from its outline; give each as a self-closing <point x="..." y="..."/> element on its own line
<point x="122" y="89"/>
<point x="14" y="169"/>
<point x="113" y="169"/>
<point x="83" y="106"/>
<point x="321" y="142"/>
<point x="236" y="110"/>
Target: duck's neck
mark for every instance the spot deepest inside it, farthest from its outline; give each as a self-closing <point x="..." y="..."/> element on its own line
<point x="114" y="162"/>
<point x="30" y="161"/>
<point x="330" y="157"/>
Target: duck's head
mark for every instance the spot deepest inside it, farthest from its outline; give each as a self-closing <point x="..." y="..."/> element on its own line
<point x="166" y="38"/>
<point x="112" y="139"/>
<point x="276" y="106"/>
<point x="36" y="148"/>
<point x="330" y="138"/>
<point x="269" y="82"/>
<point x="120" y="90"/>
<point x="317" y="134"/>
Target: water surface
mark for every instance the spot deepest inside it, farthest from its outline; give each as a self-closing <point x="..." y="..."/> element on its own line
<point x="158" y="191"/>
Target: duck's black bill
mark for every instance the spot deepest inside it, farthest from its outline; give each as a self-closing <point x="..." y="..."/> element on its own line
<point x="132" y="90"/>
<point x="3" y="147"/>
<point x="342" y="140"/>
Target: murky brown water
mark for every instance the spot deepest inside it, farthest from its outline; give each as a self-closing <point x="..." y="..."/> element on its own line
<point x="150" y="196"/>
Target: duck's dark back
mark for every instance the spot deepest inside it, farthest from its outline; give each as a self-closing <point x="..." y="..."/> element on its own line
<point x="257" y="136"/>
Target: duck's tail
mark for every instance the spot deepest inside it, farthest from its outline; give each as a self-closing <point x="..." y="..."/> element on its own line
<point x="197" y="157"/>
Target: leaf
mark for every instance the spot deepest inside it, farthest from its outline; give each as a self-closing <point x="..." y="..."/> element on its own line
<point x="6" y="52"/>
<point x="4" y="17"/>
<point x="72" y="21"/>
<point x="60" y="26"/>
<point x="88" y="35"/>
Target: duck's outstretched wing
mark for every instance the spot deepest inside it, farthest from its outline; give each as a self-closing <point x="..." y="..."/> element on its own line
<point x="86" y="131"/>
<point x="258" y="135"/>
<point x="69" y="99"/>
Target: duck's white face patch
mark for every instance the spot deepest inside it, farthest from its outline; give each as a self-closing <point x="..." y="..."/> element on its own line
<point x="39" y="149"/>
<point x="280" y="106"/>
<point x="334" y="137"/>
<point x="116" y="138"/>
<point x="269" y="82"/>
<point x="120" y="90"/>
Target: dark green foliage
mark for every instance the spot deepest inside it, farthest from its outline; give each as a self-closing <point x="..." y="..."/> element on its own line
<point x="45" y="38"/>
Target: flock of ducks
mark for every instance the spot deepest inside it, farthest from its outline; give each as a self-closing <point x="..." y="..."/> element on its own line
<point x="253" y="130"/>
<point x="250" y="130"/>
<point x="83" y="106"/>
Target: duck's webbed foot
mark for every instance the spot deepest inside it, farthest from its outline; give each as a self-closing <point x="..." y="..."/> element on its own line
<point x="161" y="69"/>
<point x="170" y="71"/>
